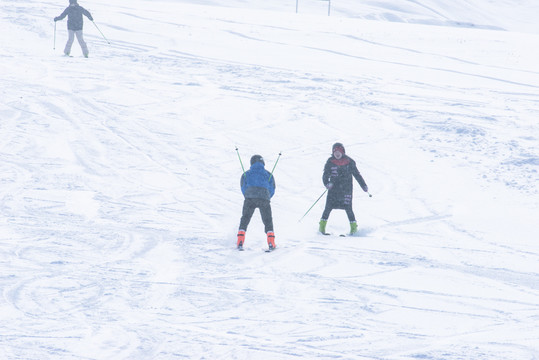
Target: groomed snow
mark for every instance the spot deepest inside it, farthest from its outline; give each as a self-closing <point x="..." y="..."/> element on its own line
<point x="120" y="199"/>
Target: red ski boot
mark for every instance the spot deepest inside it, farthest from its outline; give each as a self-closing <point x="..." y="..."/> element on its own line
<point x="241" y="239"/>
<point x="271" y="240"/>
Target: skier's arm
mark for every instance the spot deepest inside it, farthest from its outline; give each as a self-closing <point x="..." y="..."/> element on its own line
<point x="326" y="178"/>
<point x="272" y="186"/>
<point x="87" y="14"/>
<point x="62" y="15"/>
<point x="359" y="178"/>
<point x="242" y="182"/>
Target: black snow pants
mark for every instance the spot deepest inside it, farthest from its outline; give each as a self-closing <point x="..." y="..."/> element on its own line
<point x="249" y="206"/>
<point x="347" y="208"/>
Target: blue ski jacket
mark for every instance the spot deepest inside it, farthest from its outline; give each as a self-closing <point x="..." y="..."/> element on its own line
<point x="256" y="183"/>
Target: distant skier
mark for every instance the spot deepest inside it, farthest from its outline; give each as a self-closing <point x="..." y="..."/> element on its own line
<point x="258" y="187"/>
<point x="337" y="178"/>
<point x="74" y="14"/>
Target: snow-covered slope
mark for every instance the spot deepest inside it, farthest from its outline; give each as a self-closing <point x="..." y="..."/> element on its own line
<point x="512" y="15"/>
<point x="120" y="181"/>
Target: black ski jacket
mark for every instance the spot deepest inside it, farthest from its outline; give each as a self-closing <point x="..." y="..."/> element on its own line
<point x="74" y="16"/>
<point x="339" y="173"/>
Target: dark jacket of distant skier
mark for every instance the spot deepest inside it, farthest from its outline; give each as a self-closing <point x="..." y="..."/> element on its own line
<point x="74" y="14"/>
<point x="257" y="183"/>
<point x="339" y="173"/>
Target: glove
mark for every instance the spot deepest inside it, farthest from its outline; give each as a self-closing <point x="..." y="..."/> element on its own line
<point x="55" y="19"/>
<point x="91" y="18"/>
<point x="329" y="186"/>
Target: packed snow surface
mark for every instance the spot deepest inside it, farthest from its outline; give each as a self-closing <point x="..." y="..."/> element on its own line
<point x="120" y="199"/>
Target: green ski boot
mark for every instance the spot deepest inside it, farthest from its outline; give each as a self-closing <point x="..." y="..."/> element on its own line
<point x="322" y="227"/>
<point x="353" y="227"/>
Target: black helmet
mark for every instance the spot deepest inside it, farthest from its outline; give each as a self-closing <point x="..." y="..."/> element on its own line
<point x="257" y="158"/>
<point x="71" y="2"/>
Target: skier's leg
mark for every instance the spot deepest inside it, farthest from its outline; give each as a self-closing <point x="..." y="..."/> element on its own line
<point x="351" y="218"/>
<point x="350" y="213"/>
<point x="267" y="219"/>
<point x="327" y="210"/>
<point x="324" y="220"/>
<point x="82" y="43"/>
<point x="265" y="212"/>
<point x="247" y="213"/>
<point x="70" y="38"/>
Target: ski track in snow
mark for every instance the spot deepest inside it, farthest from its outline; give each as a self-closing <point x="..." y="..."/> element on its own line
<point x="120" y="196"/>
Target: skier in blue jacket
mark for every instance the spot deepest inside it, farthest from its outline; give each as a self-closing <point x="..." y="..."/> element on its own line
<point x="74" y="14"/>
<point x="258" y="187"/>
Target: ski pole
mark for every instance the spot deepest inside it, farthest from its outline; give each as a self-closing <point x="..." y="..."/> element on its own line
<point x="313" y="205"/>
<point x="272" y="170"/>
<point x="241" y="163"/>
<point x="101" y="32"/>
<point x="54" y="43"/>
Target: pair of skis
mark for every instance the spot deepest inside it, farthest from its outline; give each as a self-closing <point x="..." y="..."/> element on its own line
<point x="341" y="235"/>
<point x="270" y="249"/>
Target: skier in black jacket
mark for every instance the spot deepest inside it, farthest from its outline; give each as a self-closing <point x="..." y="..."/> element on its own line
<point x="74" y="14"/>
<point x="337" y="178"/>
